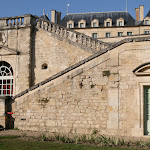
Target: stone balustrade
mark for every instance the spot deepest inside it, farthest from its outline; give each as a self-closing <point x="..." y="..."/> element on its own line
<point x="15" y="21"/>
<point x="71" y="35"/>
<point x="18" y="21"/>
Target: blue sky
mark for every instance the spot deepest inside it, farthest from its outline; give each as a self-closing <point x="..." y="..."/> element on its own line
<point x="19" y="7"/>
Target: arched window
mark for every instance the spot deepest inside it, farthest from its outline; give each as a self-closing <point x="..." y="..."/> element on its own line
<point x="6" y="79"/>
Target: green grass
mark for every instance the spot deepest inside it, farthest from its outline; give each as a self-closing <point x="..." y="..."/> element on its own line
<point x="9" y="137"/>
<point x="7" y="143"/>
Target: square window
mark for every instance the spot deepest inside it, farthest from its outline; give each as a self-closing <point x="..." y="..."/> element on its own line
<point x="95" y="24"/>
<point x="129" y="33"/>
<point x="146" y="22"/>
<point x="120" y="33"/>
<point x="107" y="24"/>
<point x="94" y="35"/>
<point x="120" y="23"/>
<point x="147" y="32"/>
<point x="70" y="25"/>
<point x="81" y="25"/>
<point x="107" y="35"/>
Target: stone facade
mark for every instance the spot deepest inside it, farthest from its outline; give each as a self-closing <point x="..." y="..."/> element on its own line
<point x="67" y="82"/>
<point x="102" y="93"/>
<point x="101" y="32"/>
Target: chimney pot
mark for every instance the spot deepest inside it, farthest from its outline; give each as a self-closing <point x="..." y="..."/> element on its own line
<point x="137" y="14"/>
<point x="141" y="12"/>
<point x="58" y="17"/>
<point x="53" y="16"/>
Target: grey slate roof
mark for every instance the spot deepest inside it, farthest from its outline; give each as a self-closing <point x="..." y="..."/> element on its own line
<point x="148" y="15"/>
<point x="45" y="17"/>
<point x="101" y="16"/>
<point x="142" y="22"/>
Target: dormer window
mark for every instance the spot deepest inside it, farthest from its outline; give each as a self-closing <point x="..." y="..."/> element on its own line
<point x="147" y="21"/>
<point x="70" y="24"/>
<point x="120" y="22"/>
<point x="95" y="23"/>
<point x="82" y="23"/>
<point x="108" y="22"/>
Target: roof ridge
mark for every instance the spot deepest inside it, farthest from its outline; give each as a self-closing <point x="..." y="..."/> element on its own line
<point x="96" y="12"/>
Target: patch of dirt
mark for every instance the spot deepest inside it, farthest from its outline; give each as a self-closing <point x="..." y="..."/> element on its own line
<point x="21" y="133"/>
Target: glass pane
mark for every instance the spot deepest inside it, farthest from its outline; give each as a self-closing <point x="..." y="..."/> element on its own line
<point x="94" y="24"/>
<point x="8" y="91"/>
<point x="4" y="91"/>
<point x="4" y="86"/>
<point x="94" y="35"/>
<point x="4" y="81"/>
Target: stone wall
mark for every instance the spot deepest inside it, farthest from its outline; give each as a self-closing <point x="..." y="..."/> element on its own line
<point x="2" y="112"/>
<point x="16" y="51"/>
<point x="56" y="52"/>
<point x="101" y="94"/>
<point x="101" y="32"/>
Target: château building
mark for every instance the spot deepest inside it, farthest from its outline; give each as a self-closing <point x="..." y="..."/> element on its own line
<point x="74" y="75"/>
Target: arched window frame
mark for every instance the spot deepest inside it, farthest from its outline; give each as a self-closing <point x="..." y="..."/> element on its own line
<point x="6" y="79"/>
<point x="141" y="70"/>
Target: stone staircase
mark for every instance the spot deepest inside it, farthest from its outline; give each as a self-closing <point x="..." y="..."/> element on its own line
<point x="99" y="53"/>
<point x="73" y="37"/>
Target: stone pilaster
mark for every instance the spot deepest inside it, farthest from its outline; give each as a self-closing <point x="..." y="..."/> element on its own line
<point x="2" y="112"/>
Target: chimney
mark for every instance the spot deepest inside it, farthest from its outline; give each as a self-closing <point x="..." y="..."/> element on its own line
<point x="137" y="14"/>
<point x="53" y="16"/>
<point x="58" y="17"/>
<point x="141" y="12"/>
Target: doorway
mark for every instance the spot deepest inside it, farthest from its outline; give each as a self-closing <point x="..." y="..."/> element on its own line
<point x="147" y="110"/>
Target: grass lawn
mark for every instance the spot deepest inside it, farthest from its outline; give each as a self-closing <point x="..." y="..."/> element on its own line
<point x="15" y="143"/>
